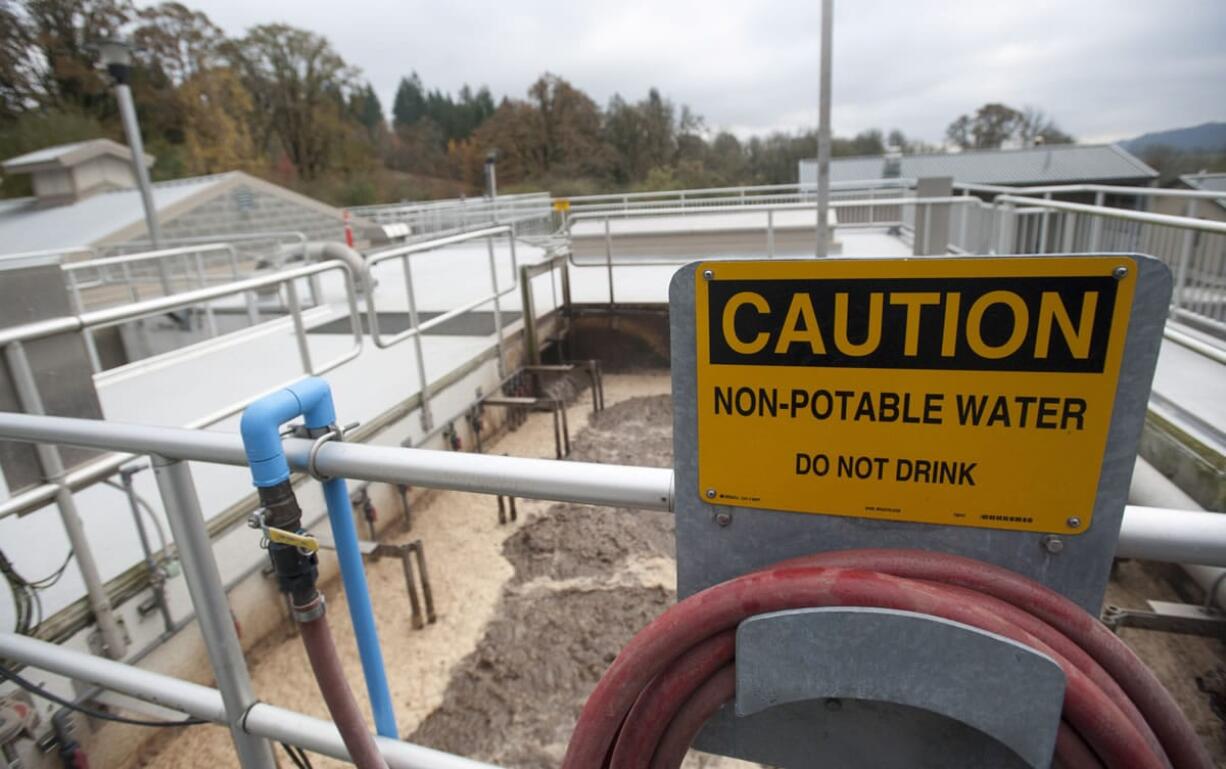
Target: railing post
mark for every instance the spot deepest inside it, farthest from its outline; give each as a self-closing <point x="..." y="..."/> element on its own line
<point x="966" y="217"/>
<point x="608" y="259"/>
<point x="927" y="229"/>
<point x="31" y="402"/>
<point x="531" y="349"/>
<point x="502" y="361"/>
<point x="1070" y="232"/>
<point x="78" y="306"/>
<point x="1185" y="257"/>
<point x="1096" y="225"/>
<point x="203" y="282"/>
<point x="1043" y="223"/>
<point x="156" y="580"/>
<point x="770" y="233"/>
<point x="295" y="311"/>
<point x="427" y="419"/>
<point x="208" y="595"/>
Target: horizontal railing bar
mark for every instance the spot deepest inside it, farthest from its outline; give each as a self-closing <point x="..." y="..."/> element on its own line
<point x="747" y="208"/>
<point x="113" y="315"/>
<point x="261" y="720"/>
<point x="1156" y="192"/>
<point x="579" y="482"/>
<point x="437" y="243"/>
<point x="1167" y="220"/>
<point x="1183" y="339"/>
<point x="852" y="184"/>
<point x="144" y="256"/>
<point x="1182" y="536"/>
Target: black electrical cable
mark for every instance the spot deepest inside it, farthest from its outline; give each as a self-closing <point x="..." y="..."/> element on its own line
<point x="298" y="756"/>
<point x="26" y="593"/>
<point x="53" y="577"/>
<point x="35" y="689"/>
<point x="292" y="755"/>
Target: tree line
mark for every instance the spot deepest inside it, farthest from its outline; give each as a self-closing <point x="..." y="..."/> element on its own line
<point x="282" y="103"/>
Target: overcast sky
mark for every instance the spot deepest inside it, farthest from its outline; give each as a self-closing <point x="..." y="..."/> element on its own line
<point x="1104" y="69"/>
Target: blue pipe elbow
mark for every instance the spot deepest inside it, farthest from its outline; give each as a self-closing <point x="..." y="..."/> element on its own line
<point x="261" y="426"/>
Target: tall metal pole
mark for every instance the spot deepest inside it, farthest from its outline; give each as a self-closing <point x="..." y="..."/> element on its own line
<point x="208" y="594"/>
<point x="823" y="132"/>
<point x="491" y="182"/>
<point x="116" y="56"/>
<point x="28" y="397"/>
<point x="131" y="129"/>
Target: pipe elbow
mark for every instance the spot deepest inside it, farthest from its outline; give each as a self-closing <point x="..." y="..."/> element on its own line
<point x="260" y="429"/>
<point x="314" y="401"/>
<point x="261" y="423"/>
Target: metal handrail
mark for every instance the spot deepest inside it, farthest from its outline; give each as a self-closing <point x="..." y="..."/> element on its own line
<point x="868" y="202"/>
<point x="1185" y="537"/>
<point x="1168" y="220"/>
<point x="416" y="328"/>
<point x="50" y="252"/>
<point x="235" y="237"/>
<point x="688" y="193"/>
<point x="14" y="337"/>
<point x="157" y="306"/>
<point x="213" y="246"/>
<point x="1148" y="192"/>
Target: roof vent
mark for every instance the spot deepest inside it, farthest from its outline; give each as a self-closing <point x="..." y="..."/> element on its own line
<point x="892" y="168"/>
<point x="71" y="172"/>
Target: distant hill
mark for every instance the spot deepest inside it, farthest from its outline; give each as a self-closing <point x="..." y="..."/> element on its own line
<point x="1209" y="137"/>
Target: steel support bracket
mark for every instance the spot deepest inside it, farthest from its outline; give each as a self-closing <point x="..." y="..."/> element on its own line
<point x="1169" y="617"/>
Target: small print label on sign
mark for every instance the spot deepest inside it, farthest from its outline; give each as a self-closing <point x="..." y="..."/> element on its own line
<point x="967" y="392"/>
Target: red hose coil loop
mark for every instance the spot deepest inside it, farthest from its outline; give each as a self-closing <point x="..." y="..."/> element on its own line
<point x="675" y="671"/>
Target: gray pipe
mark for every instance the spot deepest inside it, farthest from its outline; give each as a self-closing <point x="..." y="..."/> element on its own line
<point x="263" y="720"/>
<point x="325" y="251"/>
<point x="1152" y="488"/>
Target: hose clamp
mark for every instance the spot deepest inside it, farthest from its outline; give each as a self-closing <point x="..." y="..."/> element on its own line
<point x="334" y="433"/>
<point x="311" y="612"/>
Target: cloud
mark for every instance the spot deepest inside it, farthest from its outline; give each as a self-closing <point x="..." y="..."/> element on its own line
<point x="1104" y="69"/>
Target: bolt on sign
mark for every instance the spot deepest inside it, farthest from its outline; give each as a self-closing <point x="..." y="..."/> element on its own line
<point x="971" y="392"/>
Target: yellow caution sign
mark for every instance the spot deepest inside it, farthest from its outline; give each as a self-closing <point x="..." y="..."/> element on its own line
<point x="968" y="392"/>
<point x="561" y="205"/>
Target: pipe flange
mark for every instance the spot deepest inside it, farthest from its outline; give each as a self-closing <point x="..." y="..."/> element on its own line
<point x="311" y="612"/>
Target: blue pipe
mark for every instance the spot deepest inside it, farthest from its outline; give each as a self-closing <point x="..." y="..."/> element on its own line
<point x="311" y="398"/>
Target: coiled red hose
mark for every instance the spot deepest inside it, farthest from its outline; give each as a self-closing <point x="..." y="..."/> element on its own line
<point x="677" y="671"/>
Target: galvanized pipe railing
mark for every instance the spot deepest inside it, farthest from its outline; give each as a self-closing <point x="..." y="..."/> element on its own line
<point x="1170" y="238"/>
<point x="1187" y="537"/>
<point x="416" y="328"/>
<point x="1107" y="189"/>
<point x="193" y="259"/>
<point x="260" y="720"/>
<point x="770" y="226"/>
<point x="61" y="484"/>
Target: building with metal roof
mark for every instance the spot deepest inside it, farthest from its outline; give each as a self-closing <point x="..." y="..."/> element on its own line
<point x="1050" y="164"/>
<point x="85" y="196"/>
